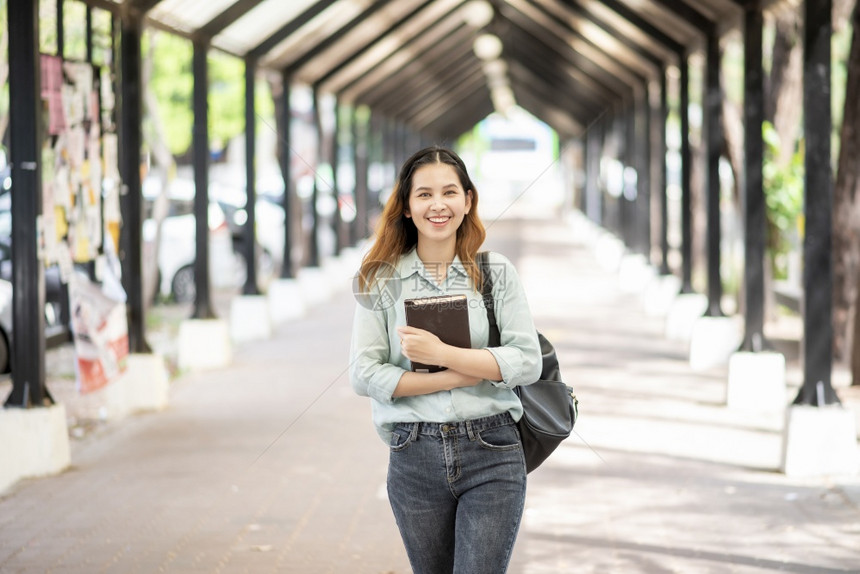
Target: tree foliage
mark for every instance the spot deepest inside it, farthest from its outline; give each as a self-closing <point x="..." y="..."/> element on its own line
<point x="173" y="83"/>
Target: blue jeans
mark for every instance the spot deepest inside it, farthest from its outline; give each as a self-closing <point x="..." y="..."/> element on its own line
<point x="457" y="491"/>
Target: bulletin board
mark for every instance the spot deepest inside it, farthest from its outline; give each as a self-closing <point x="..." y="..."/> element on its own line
<point x="80" y="169"/>
<point x="80" y="219"/>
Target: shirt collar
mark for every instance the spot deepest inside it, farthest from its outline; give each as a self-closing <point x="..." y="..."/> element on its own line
<point x="410" y="264"/>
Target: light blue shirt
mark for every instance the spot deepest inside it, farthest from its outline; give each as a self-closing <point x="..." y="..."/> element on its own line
<point x="376" y="361"/>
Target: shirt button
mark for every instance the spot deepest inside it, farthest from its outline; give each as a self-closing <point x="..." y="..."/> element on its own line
<point x="448" y="410"/>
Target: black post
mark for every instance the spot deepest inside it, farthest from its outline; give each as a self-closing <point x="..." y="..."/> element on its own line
<point x="629" y="194"/>
<point x="250" y="239"/>
<point x="714" y="134"/>
<point x="360" y="149"/>
<point x="817" y="389"/>
<point x="643" y="196"/>
<point x="130" y="111"/>
<point x="314" y="259"/>
<point x="754" y="203"/>
<point x="336" y="219"/>
<point x="202" y="299"/>
<point x="28" y="276"/>
<point x="593" y="202"/>
<point x="287" y="173"/>
<point x="663" y="148"/>
<point x="686" y="191"/>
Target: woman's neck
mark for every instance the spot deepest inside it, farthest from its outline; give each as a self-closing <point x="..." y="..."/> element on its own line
<point x="436" y="259"/>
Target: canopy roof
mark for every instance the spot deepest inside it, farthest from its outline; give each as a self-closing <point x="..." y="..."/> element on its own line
<point x="417" y="61"/>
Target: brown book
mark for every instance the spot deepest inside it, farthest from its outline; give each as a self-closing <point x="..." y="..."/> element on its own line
<point x="446" y="316"/>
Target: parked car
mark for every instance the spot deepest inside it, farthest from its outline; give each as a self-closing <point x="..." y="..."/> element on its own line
<point x="269" y="229"/>
<point x="178" y="246"/>
<point x="54" y="300"/>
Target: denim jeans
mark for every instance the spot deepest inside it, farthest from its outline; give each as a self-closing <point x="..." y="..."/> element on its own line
<point x="457" y="491"/>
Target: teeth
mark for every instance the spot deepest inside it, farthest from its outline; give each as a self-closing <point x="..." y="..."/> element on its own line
<point x="438" y="219"/>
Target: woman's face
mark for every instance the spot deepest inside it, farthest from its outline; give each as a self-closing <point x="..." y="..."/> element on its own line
<point x="437" y="203"/>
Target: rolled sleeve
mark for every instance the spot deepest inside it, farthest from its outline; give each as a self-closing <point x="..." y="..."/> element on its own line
<point x="518" y="355"/>
<point x="370" y="373"/>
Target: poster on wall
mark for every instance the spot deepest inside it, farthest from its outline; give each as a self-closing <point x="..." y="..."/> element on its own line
<point x="80" y="208"/>
<point x="100" y="331"/>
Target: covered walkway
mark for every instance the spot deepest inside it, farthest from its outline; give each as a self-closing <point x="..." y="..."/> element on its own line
<point x="271" y="464"/>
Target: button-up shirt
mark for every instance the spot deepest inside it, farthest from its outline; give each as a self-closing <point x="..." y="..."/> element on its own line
<point x="377" y="361"/>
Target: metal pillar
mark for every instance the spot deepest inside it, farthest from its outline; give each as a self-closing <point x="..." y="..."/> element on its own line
<point x="287" y="173"/>
<point x="250" y="239"/>
<point x="663" y="149"/>
<point x="336" y="219"/>
<point x="360" y="149"/>
<point x="130" y="112"/>
<point x="314" y="259"/>
<point x="714" y="134"/>
<point x="28" y="275"/>
<point x="817" y="248"/>
<point x="593" y="207"/>
<point x="686" y="190"/>
<point x="202" y="298"/>
<point x="754" y="203"/>
<point x="643" y="196"/>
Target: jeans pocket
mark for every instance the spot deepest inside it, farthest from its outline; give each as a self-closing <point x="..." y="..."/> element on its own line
<point x="401" y="437"/>
<point x="500" y="438"/>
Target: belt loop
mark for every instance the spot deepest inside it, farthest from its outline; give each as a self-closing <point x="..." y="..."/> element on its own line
<point x="469" y="430"/>
<point x="414" y="434"/>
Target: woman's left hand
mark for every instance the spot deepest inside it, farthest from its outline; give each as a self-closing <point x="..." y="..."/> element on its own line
<point x="421" y="346"/>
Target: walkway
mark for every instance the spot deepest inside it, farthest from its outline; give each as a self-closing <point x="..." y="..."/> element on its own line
<point x="272" y="465"/>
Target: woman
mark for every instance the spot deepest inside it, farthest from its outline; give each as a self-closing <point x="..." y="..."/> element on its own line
<point x="456" y="475"/>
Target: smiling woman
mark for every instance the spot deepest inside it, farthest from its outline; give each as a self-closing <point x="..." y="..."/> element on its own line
<point x="463" y="517"/>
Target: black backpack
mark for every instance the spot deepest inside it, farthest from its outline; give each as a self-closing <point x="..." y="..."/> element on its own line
<point x="550" y="406"/>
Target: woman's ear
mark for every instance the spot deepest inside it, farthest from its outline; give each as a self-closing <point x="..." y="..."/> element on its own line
<point x="468" y="201"/>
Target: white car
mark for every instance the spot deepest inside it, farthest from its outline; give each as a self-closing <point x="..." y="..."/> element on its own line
<point x="178" y="249"/>
<point x="269" y="229"/>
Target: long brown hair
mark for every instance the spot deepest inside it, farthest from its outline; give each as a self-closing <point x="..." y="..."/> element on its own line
<point x="396" y="234"/>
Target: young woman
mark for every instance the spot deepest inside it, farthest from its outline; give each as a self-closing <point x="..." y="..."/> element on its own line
<point x="456" y="475"/>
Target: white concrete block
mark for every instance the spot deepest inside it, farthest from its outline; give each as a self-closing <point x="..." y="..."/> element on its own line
<point x="250" y="319"/>
<point x="660" y="294"/>
<point x="608" y="251"/>
<point x="683" y="314"/>
<point x="338" y="275"/>
<point x="713" y="341"/>
<point x="315" y="285"/>
<point x="142" y="387"/>
<point x="756" y="382"/>
<point x="819" y="441"/>
<point x="35" y="443"/>
<point x="204" y="344"/>
<point x="634" y="273"/>
<point x="286" y="301"/>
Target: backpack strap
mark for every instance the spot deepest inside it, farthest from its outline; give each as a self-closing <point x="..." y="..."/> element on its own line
<point x="483" y="259"/>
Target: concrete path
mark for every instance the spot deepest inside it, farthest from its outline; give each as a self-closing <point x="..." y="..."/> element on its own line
<point x="272" y="464"/>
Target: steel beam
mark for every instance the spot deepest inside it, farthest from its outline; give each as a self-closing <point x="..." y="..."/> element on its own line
<point x="130" y="112"/>
<point x="250" y="235"/>
<point x="28" y="275"/>
<point x="754" y="203"/>
<point x="712" y="110"/>
<point x="200" y="157"/>
<point x="817" y="389"/>
<point x="286" y="150"/>
<point x="686" y="190"/>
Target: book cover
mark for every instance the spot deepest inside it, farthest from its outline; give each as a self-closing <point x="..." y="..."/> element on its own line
<point x="446" y="316"/>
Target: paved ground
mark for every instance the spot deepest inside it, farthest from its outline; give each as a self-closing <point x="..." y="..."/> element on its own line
<point x="272" y="465"/>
